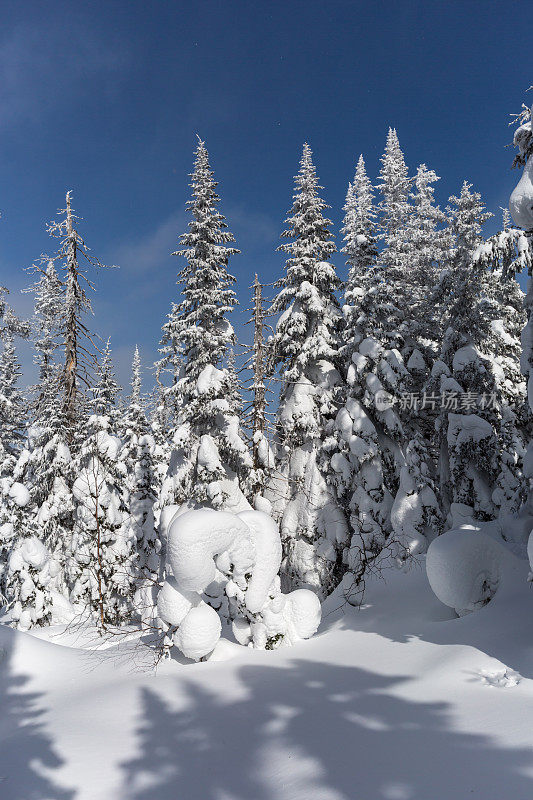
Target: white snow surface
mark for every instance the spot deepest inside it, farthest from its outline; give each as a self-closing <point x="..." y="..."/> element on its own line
<point x="398" y="700"/>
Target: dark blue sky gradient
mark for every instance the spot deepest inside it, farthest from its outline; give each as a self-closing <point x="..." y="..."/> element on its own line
<point x="106" y="98"/>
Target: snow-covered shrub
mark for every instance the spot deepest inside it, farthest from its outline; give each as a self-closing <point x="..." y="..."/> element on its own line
<point x="231" y="560"/>
<point x="463" y="569"/>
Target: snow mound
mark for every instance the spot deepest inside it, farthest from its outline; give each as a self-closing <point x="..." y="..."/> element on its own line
<point x="195" y="538"/>
<point x="265" y="536"/>
<point x="199" y="632"/>
<point x="464" y="568"/>
<point x="304" y="615"/>
<point x="233" y="561"/>
<point x="173" y="605"/>
<point x="521" y="200"/>
<point x="501" y="678"/>
<point x="19" y="494"/>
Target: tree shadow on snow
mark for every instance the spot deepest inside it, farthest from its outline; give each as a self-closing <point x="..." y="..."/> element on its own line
<point x="313" y="731"/>
<point x="503" y="629"/>
<point x="27" y="754"/>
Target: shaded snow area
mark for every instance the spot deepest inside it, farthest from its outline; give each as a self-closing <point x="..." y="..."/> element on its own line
<point x="399" y="700"/>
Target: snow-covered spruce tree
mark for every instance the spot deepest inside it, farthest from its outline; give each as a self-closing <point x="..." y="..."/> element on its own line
<point x="12" y="428"/>
<point x="48" y="467"/>
<point x="103" y="547"/>
<point x="386" y="356"/>
<point x="503" y="255"/>
<point x="12" y="406"/>
<point x="428" y="242"/>
<point x="521" y="208"/>
<point x="354" y="445"/>
<point x="140" y="482"/>
<point x="304" y="348"/>
<point x="27" y="569"/>
<point x="210" y="462"/>
<point x="44" y="466"/>
<point x="469" y="422"/>
<point x="160" y="416"/>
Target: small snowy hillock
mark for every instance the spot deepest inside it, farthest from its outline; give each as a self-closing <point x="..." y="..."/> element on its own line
<point x="400" y="699"/>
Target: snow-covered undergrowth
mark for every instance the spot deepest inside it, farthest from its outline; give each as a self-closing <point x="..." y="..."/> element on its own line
<point x="398" y="700"/>
<point x="227" y="565"/>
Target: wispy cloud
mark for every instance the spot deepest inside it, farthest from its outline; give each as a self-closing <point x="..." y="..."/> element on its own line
<point x="257" y="228"/>
<point x="145" y="255"/>
<point x="41" y="66"/>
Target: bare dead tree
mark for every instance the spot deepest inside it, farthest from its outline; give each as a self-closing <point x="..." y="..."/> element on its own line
<point x="256" y="412"/>
<point x="74" y="257"/>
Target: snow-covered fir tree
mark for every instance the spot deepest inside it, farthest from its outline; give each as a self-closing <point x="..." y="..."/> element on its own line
<point x="12" y="406"/>
<point x="382" y="443"/>
<point x="521" y="208"/>
<point x="356" y="457"/>
<point x="304" y="349"/>
<point x="210" y="461"/>
<point x="140" y="482"/>
<point x="469" y="419"/>
<point x="12" y="431"/>
<point x="102" y="560"/>
<point x="502" y="256"/>
<point x="160" y="416"/>
<point x="45" y="467"/>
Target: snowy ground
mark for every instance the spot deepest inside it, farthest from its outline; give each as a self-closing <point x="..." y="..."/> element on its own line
<point x="394" y="701"/>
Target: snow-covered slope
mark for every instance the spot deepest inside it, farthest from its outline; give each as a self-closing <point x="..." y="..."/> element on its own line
<point x="397" y="701"/>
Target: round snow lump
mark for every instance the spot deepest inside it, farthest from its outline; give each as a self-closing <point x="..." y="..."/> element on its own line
<point x="305" y="612"/>
<point x="173" y="605"/>
<point x="199" y="632"/>
<point x="463" y="569"/>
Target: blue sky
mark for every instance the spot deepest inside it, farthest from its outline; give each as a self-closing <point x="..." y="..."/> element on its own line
<point x="105" y="98"/>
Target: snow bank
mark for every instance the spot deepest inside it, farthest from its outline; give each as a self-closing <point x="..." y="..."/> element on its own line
<point x="463" y="568"/>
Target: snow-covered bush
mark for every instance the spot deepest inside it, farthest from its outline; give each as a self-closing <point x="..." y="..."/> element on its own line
<point x="463" y="569"/>
<point x="231" y="560"/>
